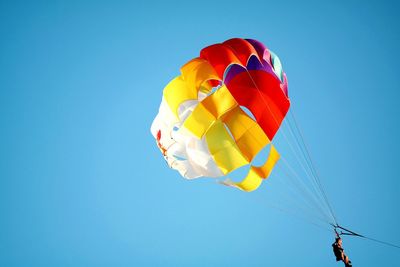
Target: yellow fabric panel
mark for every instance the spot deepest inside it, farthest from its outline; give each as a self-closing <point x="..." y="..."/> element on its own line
<point x="199" y="120"/>
<point x="205" y="87"/>
<point x="265" y="170"/>
<point x="257" y="174"/>
<point x="250" y="183"/>
<point x="220" y="102"/>
<point x="176" y="92"/>
<point x="197" y="71"/>
<point x="223" y="148"/>
<point x="209" y="110"/>
<point x="186" y="86"/>
<point x="248" y="135"/>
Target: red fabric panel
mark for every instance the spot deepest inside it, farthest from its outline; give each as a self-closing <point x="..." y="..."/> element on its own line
<point x="214" y="83"/>
<point x="220" y="57"/>
<point x="261" y="93"/>
<point x="242" y="49"/>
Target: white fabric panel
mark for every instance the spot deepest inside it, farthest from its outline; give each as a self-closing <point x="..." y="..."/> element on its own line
<point x="185" y="109"/>
<point x="185" y="153"/>
<point x="184" y="168"/>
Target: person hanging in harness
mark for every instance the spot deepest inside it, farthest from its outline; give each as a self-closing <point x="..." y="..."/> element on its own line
<point x="339" y="251"/>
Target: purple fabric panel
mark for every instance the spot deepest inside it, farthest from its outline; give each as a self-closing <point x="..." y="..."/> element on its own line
<point x="253" y="64"/>
<point x="233" y="70"/>
<point x="258" y="46"/>
<point x="261" y="49"/>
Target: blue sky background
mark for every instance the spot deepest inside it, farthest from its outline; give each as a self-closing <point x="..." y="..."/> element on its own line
<point x="82" y="182"/>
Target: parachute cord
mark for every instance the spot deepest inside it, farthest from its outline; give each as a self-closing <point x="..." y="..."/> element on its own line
<point x="295" y="209"/>
<point x="313" y="178"/>
<point x="382" y="242"/>
<point x="314" y="169"/>
<point x="351" y="233"/>
<point x="306" y="189"/>
<point x="308" y="174"/>
<point x="308" y="206"/>
<point x="320" y="224"/>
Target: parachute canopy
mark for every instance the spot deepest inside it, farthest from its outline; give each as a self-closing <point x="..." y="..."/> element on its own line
<point x="224" y="108"/>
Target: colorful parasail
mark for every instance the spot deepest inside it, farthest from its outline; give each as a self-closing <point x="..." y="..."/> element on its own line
<point x="224" y="108"/>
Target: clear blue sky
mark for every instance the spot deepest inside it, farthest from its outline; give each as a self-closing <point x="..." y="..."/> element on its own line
<point x="82" y="182"/>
